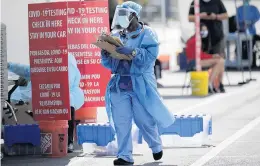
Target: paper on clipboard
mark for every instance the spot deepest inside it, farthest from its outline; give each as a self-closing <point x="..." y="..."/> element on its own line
<point x="111" y="49"/>
<point x="110" y="40"/>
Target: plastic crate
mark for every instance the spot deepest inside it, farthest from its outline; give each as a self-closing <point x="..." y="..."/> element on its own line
<point x="22" y="139"/>
<point x="22" y="134"/>
<point x="184" y="126"/>
<point x="22" y="150"/>
<point x="100" y="134"/>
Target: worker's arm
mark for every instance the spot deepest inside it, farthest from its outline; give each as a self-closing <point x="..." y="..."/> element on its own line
<point x="256" y="15"/>
<point x="148" y="50"/>
<point x="222" y="16"/>
<point x="191" y="17"/>
<point x="202" y="16"/>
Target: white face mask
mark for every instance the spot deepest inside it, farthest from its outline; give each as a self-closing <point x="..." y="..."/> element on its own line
<point x="204" y="34"/>
<point x="124" y="21"/>
<point x="206" y="0"/>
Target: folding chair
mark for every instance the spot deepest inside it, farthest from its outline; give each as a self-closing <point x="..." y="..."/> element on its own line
<point x="227" y="75"/>
<point x="190" y="67"/>
<point x="9" y="109"/>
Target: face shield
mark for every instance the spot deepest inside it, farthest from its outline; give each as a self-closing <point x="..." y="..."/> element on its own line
<point x="121" y="17"/>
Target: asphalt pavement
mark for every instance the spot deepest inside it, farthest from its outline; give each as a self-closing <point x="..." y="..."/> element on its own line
<point x="236" y="128"/>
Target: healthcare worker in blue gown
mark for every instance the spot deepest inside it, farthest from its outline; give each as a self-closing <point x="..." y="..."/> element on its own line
<point x="248" y="15"/>
<point x="76" y="94"/>
<point x="132" y="91"/>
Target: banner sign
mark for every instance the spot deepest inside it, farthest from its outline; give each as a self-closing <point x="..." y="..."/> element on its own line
<point x="49" y="61"/>
<point x="56" y="30"/>
<point x="86" y="21"/>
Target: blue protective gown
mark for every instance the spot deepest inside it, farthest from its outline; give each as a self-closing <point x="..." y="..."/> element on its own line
<point x="22" y="93"/>
<point x="143" y="102"/>
<point x="76" y="94"/>
<point x="250" y="14"/>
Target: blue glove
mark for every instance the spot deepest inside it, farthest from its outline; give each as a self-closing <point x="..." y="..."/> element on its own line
<point x="124" y="50"/>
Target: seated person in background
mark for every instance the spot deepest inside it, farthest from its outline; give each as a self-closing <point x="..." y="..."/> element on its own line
<point x="76" y="94"/>
<point x="214" y="61"/>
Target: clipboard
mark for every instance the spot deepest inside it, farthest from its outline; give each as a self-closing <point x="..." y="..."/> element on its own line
<point x="110" y="40"/>
<point x="109" y="43"/>
<point x="111" y="49"/>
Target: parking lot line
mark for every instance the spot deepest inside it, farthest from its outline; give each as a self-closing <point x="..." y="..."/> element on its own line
<point x="224" y="144"/>
<point x="216" y="97"/>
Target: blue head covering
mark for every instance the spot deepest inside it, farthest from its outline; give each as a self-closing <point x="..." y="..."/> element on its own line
<point x="134" y="6"/>
<point x="246" y="2"/>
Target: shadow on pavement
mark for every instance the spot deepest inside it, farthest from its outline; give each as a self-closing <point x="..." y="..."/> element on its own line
<point x="233" y="85"/>
<point x="202" y="147"/>
<point x="36" y="160"/>
<point x="181" y="86"/>
<point x="154" y="164"/>
<point x="184" y="97"/>
<point x="170" y="87"/>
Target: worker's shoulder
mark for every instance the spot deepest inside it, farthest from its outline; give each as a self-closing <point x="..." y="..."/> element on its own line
<point x="254" y="8"/>
<point x="149" y="30"/>
<point x="150" y="34"/>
